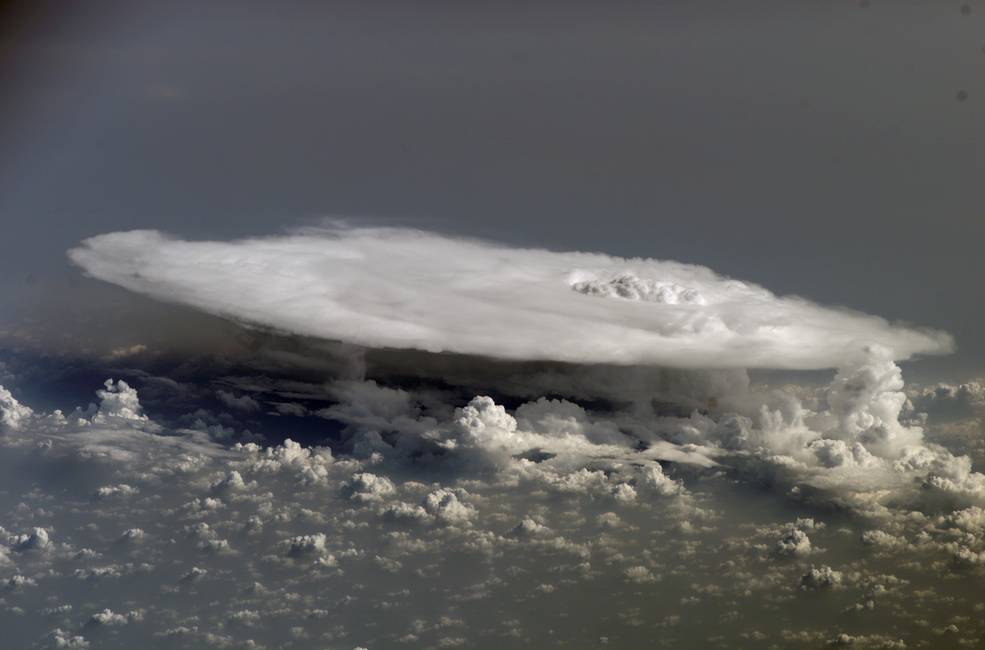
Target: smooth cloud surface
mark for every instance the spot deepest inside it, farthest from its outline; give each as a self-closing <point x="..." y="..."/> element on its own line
<point x="399" y="288"/>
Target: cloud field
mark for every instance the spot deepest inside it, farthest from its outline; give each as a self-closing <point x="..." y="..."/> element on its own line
<point x="505" y="448"/>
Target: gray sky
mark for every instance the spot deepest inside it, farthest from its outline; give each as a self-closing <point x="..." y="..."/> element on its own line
<point x="817" y="148"/>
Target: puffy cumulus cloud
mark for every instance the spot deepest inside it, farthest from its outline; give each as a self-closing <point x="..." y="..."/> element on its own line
<point x="953" y="415"/>
<point x="482" y="424"/>
<point x="121" y="490"/>
<point x="132" y="535"/>
<point x="867" y="641"/>
<point x="367" y="487"/>
<point x="19" y="581"/>
<point x="118" y="401"/>
<point x="113" y="431"/>
<point x="308" y="465"/>
<point x="62" y="639"/>
<point x="838" y="453"/>
<point x="231" y="482"/>
<point x="857" y="446"/>
<point x="484" y="435"/>
<point x="650" y="480"/>
<point x="970" y="520"/>
<point x="529" y="528"/>
<point x="173" y="540"/>
<point x="865" y="401"/>
<point x="793" y="542"/>
<point x="109" y="618"/>
<point x="851" y="446"/>
<point x="640" y="574"/>
<point x="12" y="412"/>
<point x="402" y="288"/>
<point x="445" y="506"/>
<point x="950" y="401"/>
<point x="852" y="443"/>
<point x="36" y="540"/>
<point x="559" y="417"/>
<point x="311" y="547"/>
<point x="823" y="577"/>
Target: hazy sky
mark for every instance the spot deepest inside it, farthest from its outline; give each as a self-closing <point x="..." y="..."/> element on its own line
<point x="823" y="148"/>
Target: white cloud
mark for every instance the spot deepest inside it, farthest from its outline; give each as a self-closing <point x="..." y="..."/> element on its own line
<point x="309" y="547"/>
<point x="62" y="639"/>
<point x="132" y="535"/>
<point x="118" y="401"/>
<point x="231" y="482"/>
<point x="37" y="540"/>
<point x="529" y="528"/>
<point x="366" y="487"/>
<point x="410" y="289"/>
<point x="108" y="617"/>
<point x="446" y="507"/>
<point x="524" y="539"/>
<point x="823" y="577"/>
<point x="309" y="465"/>
<point x="121" y="490"/>
<point x="793" y="542"/>
<point x="639" y="574"/>
<point x="483" y="424"/>
<point x="12" y="413"/>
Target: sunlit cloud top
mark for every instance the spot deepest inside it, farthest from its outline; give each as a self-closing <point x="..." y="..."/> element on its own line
<point x="401" y="288"/>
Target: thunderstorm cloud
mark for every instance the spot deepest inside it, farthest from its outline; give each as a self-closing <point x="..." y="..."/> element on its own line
<point x="400" y="288"/>
<point x="413" y="431"/>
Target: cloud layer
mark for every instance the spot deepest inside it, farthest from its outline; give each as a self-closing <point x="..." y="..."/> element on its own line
<point x="145" y="536"/>
<point x="399" y="288"/>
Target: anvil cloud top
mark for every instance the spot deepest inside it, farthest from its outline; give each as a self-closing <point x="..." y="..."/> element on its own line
<point x="401" y="288"/>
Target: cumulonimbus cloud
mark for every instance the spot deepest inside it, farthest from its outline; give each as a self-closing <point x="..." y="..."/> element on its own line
<point x="402" y="288"/>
